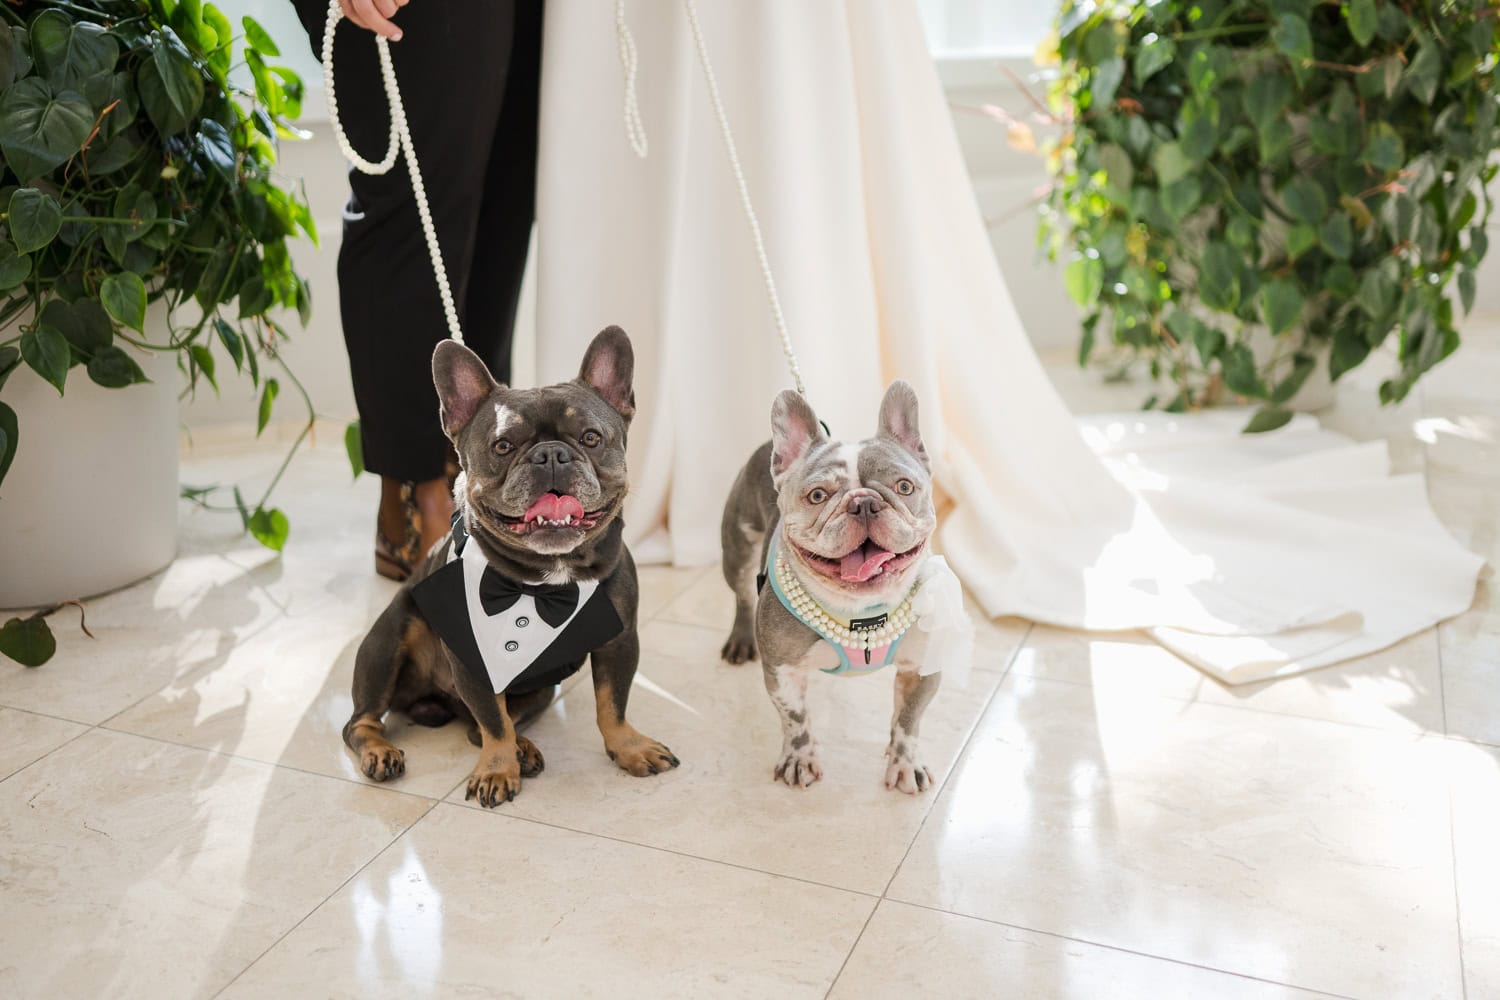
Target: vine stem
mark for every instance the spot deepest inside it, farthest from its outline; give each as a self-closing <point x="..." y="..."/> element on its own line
<point x="312" y="419"/>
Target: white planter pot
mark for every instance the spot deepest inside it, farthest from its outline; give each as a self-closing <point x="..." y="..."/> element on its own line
<point x="90" y="503"/>
<point x="1318" y="392"/>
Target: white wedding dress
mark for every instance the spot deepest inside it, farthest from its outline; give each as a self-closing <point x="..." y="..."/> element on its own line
<point x="1251" y="558"/>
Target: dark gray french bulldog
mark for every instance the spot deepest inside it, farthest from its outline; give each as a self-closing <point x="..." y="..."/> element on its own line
<point x="854" y="520"/>
<point x="534" y="578"/>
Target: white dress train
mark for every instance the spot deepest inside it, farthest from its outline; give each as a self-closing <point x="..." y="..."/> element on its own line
<point x="1251" y="558"/>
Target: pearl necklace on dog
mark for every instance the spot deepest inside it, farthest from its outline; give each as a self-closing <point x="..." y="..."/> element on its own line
<point x="895" y="624"/>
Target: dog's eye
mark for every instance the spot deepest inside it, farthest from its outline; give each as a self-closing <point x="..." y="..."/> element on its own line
<point x="905" y="487"/>
<point x="818" y="495"/>
<point x="503" y="447"/>
<point x="591" y="439"/>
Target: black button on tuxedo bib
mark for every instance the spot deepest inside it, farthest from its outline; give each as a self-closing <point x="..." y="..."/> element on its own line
<point x="521" y="636"/>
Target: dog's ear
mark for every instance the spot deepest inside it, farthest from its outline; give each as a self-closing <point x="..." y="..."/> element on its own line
<point x="463" y="384"/>
<point x="609" y="369"/>
<point x="794" y="429"/>
<point x="898" y="419"/>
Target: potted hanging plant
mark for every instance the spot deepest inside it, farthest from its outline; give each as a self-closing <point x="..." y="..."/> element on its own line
<point x="145" y="233"/>
<point x="1247" y="192"/>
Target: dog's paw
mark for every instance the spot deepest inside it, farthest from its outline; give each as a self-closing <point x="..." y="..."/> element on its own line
<point x="641" y="755"/>
<point x="903" y="774"/>
<point x="799" y="768"/>
<point x="494" y="786"/>
<point x="529" y="757"/>
<point x="383" y="762"/>
<point x="739" y="649"/>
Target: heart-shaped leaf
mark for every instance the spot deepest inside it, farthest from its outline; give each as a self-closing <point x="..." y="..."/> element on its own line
<point x="1219" y="277"/>
<point x="258" y="39"/>
<point x="158" y="102"/>
<point x="84" y="323"/>
<point x="138" y="206"/>
<point x="14" y="268"/>
<point x="34" y="218"/>
<point x="28" y="641"/>
<point x="203" y="359"/>
<point x="112" y="368"/>
<point x="270" y="527"/>
<point x="47" y="352"/>
<point x="221" y="55"/>
<point x="1384" y="149"/>
<point x="1305" y="199"/>
<point x="124" y="298"/>
<point x="1364" y="20"/>
<point x="1084" y="280"/>
<point x="1337" y="237"/>
<point x="8" y="55"/>
<point x="354" y="446"/>
<point x="217" y="148"/>
<point x="1280" y="304"/>
<point x="267" y="398"/>
<point x="1268" y="418"/>
<point x="10" y="360"/>
<point x="9" y="438"/>
<point x="1154" y="55"/>
<point x="232" y="342"/>
<point x="69" y="50"/>
<point x="180" y="78"/>
<point x="40" y="129"/>
<point x="1266" y="98"/>
<point x="1240" y="374"/>
<point x="1292" y="36"/>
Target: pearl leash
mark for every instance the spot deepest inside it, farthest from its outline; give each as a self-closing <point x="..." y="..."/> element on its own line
<point x="900" y="618"/>
<point x="636" y="133"/>
<point x="399" y="142"/>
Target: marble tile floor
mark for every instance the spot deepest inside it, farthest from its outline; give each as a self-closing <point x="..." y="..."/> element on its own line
<point x="180" y="817"/>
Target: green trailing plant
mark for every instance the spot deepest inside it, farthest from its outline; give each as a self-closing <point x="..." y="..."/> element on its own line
<point x="1316" y="172"/>
<point x="139" y="142"/>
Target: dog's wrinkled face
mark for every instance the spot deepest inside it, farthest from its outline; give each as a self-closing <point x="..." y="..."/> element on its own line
<point x="544" y="469"/>
<point x="857" y="516"/>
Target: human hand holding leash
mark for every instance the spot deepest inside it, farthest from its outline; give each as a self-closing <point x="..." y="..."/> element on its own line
<point x="375" y="15"/>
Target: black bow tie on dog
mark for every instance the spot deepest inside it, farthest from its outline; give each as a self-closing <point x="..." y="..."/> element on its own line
<point x="555" y="603"/>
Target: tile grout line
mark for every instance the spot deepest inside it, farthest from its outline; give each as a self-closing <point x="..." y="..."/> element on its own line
<point x="963" y="748"/>
<point x="655" y="847"/>
<point x="1458" y="909"/>
<point x="30" y="764"/>
<point x="1437" y="630"/>
<point x="1123" y="950"/>
<point x="336" y="890"/>
<point x="362" y="783"/>
<point x="49" y="715"/>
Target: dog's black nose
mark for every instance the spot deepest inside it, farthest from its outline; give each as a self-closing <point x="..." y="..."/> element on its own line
<point x="865" y="506"/>
<point x="551" y="453"/>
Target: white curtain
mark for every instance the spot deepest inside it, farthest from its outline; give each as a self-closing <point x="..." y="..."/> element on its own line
<point x="1251" y="561"/>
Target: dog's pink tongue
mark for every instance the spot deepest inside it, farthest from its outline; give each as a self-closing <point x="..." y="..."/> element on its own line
<point x="555" y="508"/>
<point x="864" y="562"/>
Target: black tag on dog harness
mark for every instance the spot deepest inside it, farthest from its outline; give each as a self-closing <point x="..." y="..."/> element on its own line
<point x="865" y="625"/>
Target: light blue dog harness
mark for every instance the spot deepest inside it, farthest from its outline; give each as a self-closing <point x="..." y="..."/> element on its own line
<point x="865" y="644"/>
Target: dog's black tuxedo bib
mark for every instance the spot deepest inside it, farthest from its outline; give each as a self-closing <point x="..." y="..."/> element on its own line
<point x="521" y="636"/>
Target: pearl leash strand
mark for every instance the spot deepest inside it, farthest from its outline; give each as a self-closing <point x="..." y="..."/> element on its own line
<point x="635" y="132"/>
<point x="399" y="143"/>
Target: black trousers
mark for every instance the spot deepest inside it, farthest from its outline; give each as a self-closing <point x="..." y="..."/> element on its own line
<point x="469" y="72"/>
